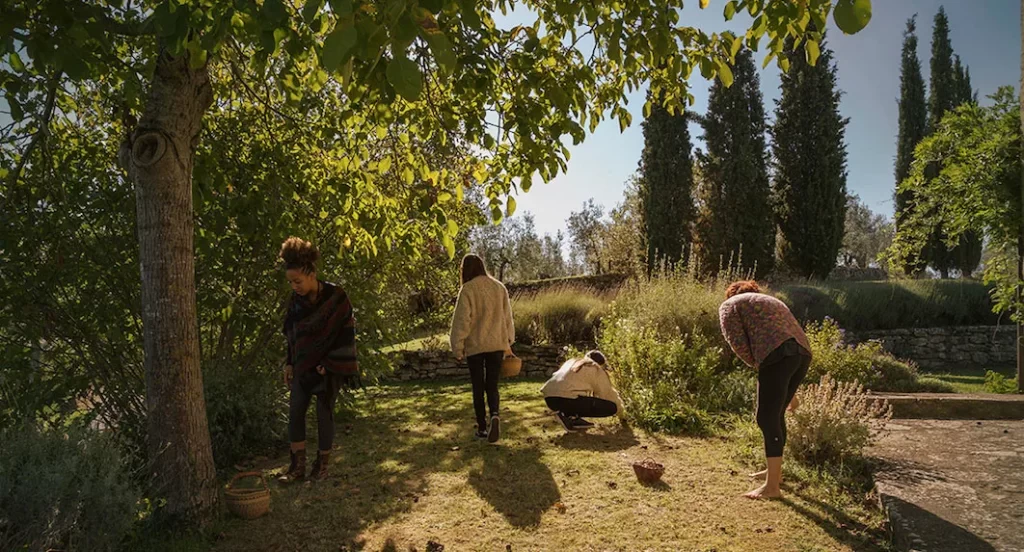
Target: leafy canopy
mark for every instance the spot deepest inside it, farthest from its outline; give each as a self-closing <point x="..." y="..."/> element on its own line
<point x="978" y="188"/>
<point x="435" y="69"/>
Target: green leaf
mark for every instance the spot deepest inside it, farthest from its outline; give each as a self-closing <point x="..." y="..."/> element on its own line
<point x="510" y="207"/>
<point x="311" y="9"/>
<point x="812" y="51"/>
<point x="337" y="46"/>
<point x="274" y="11"/>
<point x="17" y="112"/>
<point x="405" y="76"/>
<point x="453" y="228"/>
<point x="449" y="246"/>
<point x="852" y="15"/>
<point x="737" y="44"/>
<point x="724" y="73"/>
<point x="730" y="10"/>
<point x="16" y="63"/>
<point x="442" y="50"/>
<point x="341" y="8"/>
<point x="703" y="4"/>
<point x="383" y="165"/>
<point x="407" y="175"/>
<point x="469" y="16"/>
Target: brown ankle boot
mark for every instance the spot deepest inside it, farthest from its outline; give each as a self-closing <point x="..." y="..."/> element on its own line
<point x="297" y="468"/>
<point x="319" y="470"/>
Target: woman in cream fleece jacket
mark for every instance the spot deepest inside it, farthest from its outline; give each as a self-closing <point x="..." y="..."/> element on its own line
<point x="483" y="333"/>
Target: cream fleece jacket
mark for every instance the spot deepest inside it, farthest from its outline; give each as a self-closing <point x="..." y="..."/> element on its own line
<point x="483" y="318"/>
<point x="581" y="377"/>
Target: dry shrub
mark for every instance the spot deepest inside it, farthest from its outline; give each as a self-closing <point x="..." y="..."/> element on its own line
<point x="835" y="422"/>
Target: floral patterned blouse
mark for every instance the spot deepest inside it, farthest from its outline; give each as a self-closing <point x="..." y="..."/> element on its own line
<point x="756" y="324"/>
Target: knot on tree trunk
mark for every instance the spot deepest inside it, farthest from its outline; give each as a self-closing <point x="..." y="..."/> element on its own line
<point x="148" y="148"/>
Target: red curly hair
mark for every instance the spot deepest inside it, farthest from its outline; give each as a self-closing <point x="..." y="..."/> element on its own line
<point x="742" y="286"/>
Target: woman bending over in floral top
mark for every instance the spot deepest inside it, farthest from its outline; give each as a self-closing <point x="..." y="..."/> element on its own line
<point x="764" y="334"/>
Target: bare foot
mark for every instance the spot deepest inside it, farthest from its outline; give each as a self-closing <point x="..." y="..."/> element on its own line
<point x="759" y="475"/>
<point x="763" y="492"/>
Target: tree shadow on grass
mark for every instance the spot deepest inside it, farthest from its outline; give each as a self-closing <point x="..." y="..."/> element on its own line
<point x="838" y="524"/>
<point x="516" y="484"/>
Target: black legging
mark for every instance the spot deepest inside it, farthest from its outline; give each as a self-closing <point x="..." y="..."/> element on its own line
<point x="326" y="391"/>
<point x="777" y="381"/>
<point x="484" y="370"/>
<point x="587" y="407"/>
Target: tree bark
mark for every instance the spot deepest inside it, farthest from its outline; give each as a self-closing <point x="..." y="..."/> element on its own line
<point x="159" y="155"/>
<point x="1020" y="232"/>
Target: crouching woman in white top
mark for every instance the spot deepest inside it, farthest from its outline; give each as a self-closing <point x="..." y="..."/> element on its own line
<point x="581" y="388"/>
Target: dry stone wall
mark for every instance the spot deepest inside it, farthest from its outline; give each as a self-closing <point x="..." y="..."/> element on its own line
<point x="948" y="348"/>
<point x="538" y="361"/>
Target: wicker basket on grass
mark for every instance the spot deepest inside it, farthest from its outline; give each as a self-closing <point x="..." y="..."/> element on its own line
<point x="648" y="471"/>
<point x="248" y="503"/>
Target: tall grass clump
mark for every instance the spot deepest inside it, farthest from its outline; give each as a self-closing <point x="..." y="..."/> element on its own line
<point x="674" y="301"/>
<point x="671" y="363"/>
<point x="64" y="489"/>
<point x="672" y="383"/>
<point x="558" y="316"/>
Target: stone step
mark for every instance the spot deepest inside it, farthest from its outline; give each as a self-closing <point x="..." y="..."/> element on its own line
<point x="955" y="406"/>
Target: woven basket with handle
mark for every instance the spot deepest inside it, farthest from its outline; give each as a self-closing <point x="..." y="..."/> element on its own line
<point x="648" y="471"/>
<point x="510" y="366"/>
<point x="248" y="503"/>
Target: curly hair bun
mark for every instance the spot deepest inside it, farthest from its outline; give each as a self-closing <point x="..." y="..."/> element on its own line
<point x="299" y="253"/>
<point x="742" y="286"/>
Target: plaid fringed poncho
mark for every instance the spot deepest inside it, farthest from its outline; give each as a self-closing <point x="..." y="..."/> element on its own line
<point x="322" y="334"/>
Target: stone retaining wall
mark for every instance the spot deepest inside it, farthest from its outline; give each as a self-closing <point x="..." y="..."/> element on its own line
<point x="538" y="361"/>
<point x="948" y="348"/>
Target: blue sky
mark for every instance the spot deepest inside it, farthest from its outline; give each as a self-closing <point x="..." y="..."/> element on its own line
<point x="985" y="34"/>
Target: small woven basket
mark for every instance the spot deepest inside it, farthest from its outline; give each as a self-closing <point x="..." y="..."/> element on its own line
<point x="648" y="471"/>
<point x="510" y="366"/>
<point x="248" y="503"/>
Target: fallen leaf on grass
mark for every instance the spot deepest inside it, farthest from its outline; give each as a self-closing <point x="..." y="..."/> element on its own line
<point x="455" y="448"/>
<point x="560" y="508"/>
<point x="571" y="473"/>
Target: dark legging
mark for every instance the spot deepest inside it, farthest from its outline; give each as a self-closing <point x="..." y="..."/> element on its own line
<point x="298" y="404"/>
<point x="587" y="407"/>
<point x="777" y="381"/>
<point x="484" y="370"/>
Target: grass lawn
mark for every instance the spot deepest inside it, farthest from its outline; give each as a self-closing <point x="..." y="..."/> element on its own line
<point x="419" y="343"/>
<point x="967" y="380"/>
<point x="406" y="472"/>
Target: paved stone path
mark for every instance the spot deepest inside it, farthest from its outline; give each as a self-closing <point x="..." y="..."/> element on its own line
<point x="954" y="485"/>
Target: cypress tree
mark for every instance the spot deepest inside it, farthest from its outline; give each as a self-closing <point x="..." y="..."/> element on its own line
<point x="967" y="254"/>
<point x="913" y="122"/>
<point x="949" y="87"/>
<point x="810" y="165"/>
<point x="735" y="214"/>
<point x="666" y="185"/>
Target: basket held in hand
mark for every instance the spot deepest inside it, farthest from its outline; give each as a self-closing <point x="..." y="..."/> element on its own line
<point x="510" y="366"/>
<point x="248" y="503"/>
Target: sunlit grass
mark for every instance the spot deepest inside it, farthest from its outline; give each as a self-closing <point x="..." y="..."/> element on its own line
<point x="407" y="471"/>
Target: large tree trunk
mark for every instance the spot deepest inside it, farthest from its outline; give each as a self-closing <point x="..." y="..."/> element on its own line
<point x="1020" y="232"/>
<point x="159" y="156"/>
